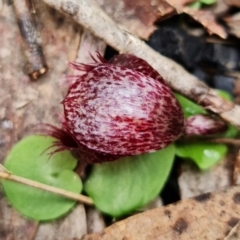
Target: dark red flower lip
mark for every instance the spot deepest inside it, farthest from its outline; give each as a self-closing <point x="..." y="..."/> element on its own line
<point x="97" y="107"/>
<point x="117" y="108"/>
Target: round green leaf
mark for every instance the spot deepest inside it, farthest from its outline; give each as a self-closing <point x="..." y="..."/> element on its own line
<point x="189" y="108"/>
<point x="204" y="155"/>
<point x="28" y="159"/>
<point x="122" y="186"/>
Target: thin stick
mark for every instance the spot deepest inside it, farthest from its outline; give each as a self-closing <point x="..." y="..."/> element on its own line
<point x="91" y="16"/>
<point x="74" y="196"/>
<point x="230" y="141"/>
<point x="3" y="169"/>
<point x="36" y="65"/>
<point x="192" y="139"/>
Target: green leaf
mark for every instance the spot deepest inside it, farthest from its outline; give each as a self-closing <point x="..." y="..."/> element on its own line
<point x="204" y="155"/>
<point x="122" y="186"/>
<point x="208" y="2"/>
<point x="28" y="159"/>
<point x="189" y="107"/>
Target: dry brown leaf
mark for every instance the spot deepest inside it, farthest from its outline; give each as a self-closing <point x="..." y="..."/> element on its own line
<point x="234" y="24"/>
<point x="138" y="17"/>
<point x="206" y="18"/>
<point x="208" y="216"/>
<point x="235" y="3"/>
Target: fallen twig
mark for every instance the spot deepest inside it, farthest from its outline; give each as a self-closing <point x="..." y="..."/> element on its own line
<point x="4" y="173"/>
<point x="196" y="139"/>
<point x="36" y="65"/>
<point x="230" y="141"/>
<point x="91" y="16"/>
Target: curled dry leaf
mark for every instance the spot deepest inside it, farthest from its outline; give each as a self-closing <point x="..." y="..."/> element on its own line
<point x="206" y="18"/>
<point x="187" y="219"/>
